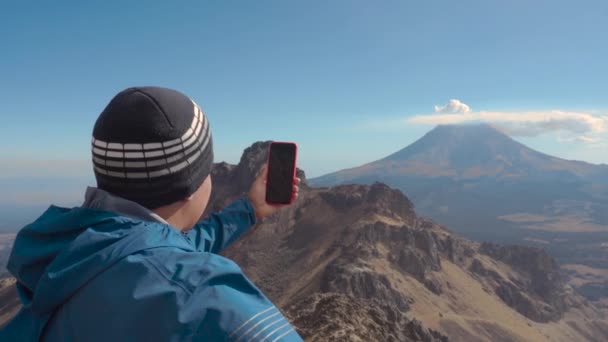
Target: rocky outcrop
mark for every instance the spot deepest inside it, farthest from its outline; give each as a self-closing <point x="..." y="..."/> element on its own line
<point x="340" y="317"/>
<point x="520" y="301"/>
<point x="539" y="291"/>
<point x="411" y="250"/>
<point x="359" y="281"/>
<point x="456" y="250"/>
<point x="377" y="199"/>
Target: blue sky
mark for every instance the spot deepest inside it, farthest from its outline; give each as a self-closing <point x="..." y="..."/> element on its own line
<point x="349" y="81"/>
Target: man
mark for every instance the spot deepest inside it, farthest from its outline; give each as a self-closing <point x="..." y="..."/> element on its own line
<point x="133" y="263"/>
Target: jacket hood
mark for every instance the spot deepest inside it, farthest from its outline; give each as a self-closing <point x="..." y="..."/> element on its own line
<point x="65" y="248"/>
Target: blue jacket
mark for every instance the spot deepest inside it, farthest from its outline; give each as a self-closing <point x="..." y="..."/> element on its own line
<point x="86" y="274"/>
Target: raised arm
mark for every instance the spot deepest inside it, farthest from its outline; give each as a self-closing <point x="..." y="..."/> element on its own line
<point x="219" y="230"/>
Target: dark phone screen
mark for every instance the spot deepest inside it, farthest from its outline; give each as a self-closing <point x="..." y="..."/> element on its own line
<point x="281" y="164"/>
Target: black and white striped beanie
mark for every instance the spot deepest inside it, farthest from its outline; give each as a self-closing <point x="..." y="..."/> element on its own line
<point x="152" y="145"/>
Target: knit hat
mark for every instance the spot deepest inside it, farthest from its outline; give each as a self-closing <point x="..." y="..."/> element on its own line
<point x="152" y="145"/>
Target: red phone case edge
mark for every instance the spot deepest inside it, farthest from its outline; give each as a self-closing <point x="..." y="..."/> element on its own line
<point x="293" y="177"/>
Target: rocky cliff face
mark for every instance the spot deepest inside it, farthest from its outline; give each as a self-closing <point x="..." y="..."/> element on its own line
<point x="337" y="317"/>
<point x="538" y="291"/>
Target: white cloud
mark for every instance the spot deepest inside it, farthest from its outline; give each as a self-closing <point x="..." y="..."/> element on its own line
<point x="580" y="138"/>
<point x="453" y="106"/>
<point x="582" y="126"/>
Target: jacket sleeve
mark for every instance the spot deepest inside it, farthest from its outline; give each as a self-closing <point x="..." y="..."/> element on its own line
<point x="236" y="310"/>
<point x="219" y="230"/>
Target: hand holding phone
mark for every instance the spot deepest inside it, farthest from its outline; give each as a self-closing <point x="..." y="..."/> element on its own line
<point x="263" y="202"/>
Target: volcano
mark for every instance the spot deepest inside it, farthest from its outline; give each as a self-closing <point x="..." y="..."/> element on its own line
<point x="478" y="180"/>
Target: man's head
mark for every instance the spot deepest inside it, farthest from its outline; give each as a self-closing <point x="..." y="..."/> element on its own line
<point x="153" y="146"/>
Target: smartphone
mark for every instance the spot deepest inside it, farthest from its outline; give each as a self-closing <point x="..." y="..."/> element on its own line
<point x="281" y="172"/>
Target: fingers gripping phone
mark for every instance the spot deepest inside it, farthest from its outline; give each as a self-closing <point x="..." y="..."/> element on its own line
<point x="281" y="172"/>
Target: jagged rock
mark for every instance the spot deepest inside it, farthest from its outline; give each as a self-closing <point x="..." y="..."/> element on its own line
<point x="391" y="201"/>
<point x="433" y="284"/>
<point x="543" y="269"/>
<point x="418" y="264"/>
<point x="417" y="331"/>
<point x="378" y="232"/>
<point x="487" y="274"/>
<point x="542" y="280"/>
<point x="344" y="197"/>
<point x="413" y="251"/>
<point x="413" y="262"/>
<point x="222" y="170"/>
<point x="251" y="160"/>
<point x="340" y="317"/>
<point x="359" y="281"/>
<point x="515" y="293"/>
<point x="478" y="268"/>
<point x="515" y="298"/>
<point x="377" y="199"/>
<point x="426" y="242"/>
<point x="302" y="175"/>
<point x="455" y="251"/>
